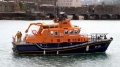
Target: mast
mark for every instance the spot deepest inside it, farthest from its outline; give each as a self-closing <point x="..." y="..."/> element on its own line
<point x="56" y="9"/>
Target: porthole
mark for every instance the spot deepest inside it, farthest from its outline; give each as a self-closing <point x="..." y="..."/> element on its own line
<point x="66" y="31"/>
<point x="75" y="31"/>
<point x="71" y="31"/>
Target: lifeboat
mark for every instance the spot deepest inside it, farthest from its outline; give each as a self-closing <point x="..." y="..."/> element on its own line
<point x="60" y="38"/>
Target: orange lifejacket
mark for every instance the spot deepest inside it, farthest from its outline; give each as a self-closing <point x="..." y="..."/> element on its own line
<point x="55" y="20"/>
<point x="18" y="34"/>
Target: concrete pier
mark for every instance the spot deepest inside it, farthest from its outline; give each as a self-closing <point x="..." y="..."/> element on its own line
<point x="74" y="13"/>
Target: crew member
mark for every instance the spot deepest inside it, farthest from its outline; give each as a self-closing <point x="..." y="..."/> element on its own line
<point x="61" y="16"/>
<point x="18" y="35"/>
<point x="55" y="20"/>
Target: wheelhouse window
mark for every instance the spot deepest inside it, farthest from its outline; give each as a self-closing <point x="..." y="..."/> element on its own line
<point x="56" y="33"/>
<point x="66" y="31"/>
<point x="75" y="31"/>
<point x="51" y="33"/>
<point x="71" y="31"/>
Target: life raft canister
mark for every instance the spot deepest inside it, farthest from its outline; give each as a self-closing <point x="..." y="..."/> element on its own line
<point x="34" y="32"/>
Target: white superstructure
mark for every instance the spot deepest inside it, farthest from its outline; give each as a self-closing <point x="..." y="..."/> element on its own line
<point x="69" y="3"/>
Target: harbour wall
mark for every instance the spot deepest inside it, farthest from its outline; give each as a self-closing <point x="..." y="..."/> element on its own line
<point x="75" y="13"/>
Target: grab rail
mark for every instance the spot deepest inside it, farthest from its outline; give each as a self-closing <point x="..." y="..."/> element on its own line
<point x="93" y="37"/>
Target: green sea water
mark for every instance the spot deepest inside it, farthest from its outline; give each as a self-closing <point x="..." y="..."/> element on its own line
<point x="111" y="58"/>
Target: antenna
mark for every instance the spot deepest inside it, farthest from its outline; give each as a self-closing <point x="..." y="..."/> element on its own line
<point x="56" y="9"/>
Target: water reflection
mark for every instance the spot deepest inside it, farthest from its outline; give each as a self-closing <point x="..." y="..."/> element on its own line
<point x="58" y="60"/>
<point x="85" y="56"/>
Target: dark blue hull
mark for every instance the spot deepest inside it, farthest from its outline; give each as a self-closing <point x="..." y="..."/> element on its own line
<point x="61" y="48"/>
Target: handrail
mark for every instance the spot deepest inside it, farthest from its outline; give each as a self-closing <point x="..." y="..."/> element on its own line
<point x="95" y="39"/>
<point x="92" y="38"/>
<point x="33" y="24"/>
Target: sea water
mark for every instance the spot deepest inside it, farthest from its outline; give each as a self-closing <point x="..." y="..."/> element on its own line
<point x="111" y="58"/>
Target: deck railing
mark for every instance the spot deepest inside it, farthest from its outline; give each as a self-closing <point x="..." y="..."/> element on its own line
<point x="94" y="37"/>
